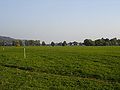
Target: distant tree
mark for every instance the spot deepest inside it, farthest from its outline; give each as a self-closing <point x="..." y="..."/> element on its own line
<point x="1" y="43"/>
<point x="52" y="44"/>
<point x="43" y="43"/>
<point x="70" y="43"/>
<point x="26" y="43"/>
<point x="75" y="43"/>
<point x="114" y="42"/>
<point x="20" y="42"/>
<point x="107" y="42"/>
<point x="100" y="42"/>
<point x="64" y="43"/>
<point x="80" y="44"/>
<point x="37" y="42"/>
<point x="89" y="42"/>
<point x="15" y="43"/>
<point x="23" y="42"/>
<point x="59" y="44"/>
<point x="118" y="41"/>
<point x="30" y="42"/>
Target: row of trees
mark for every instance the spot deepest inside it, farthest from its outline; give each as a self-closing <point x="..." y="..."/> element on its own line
<point x="87" y="42"/>
<point x="19" y="42"/>
<point x="33" y="43"/>
<point x="102" y="42"/>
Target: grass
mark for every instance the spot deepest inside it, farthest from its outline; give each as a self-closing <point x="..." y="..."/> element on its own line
<point x="60" y="68"/>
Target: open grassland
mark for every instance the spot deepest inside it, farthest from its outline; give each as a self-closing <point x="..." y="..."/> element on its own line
<point x="60" y="68"/>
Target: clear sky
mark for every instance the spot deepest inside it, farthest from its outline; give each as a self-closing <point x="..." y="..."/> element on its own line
<point x="58" y="20"/>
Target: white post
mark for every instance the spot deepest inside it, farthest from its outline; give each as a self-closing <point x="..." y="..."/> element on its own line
<point x="3" y="49"/>
<point x="24" y="53"/>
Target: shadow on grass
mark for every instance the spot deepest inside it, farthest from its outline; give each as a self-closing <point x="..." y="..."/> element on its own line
<point x="77" y="73"/>
<point x="19" y="67"/>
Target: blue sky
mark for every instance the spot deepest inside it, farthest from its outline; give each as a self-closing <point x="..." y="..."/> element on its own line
<point x="58" y="20"/>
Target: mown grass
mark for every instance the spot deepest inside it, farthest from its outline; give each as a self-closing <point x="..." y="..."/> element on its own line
<point x="60" y="68"/>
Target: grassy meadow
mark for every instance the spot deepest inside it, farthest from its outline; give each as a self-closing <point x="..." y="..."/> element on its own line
<point x="60" y="68"/>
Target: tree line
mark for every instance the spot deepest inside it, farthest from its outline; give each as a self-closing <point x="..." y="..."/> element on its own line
<point x="102" y="42"/>
<point x="87" y="42"/>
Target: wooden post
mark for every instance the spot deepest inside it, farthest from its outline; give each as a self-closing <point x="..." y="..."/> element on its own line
<point x="24" y="53"/>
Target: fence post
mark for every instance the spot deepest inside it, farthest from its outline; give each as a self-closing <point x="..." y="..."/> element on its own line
<point x="24" y="53"/>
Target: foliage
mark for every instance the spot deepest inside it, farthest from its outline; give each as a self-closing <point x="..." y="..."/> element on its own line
<point x="52" y="44"/>
<point x="87" y="42"/>
<point x="43" y="43"/>
<point x="64" y="43"/>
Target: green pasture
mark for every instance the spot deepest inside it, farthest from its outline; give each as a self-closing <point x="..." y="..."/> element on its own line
<point x="60" y="68"/>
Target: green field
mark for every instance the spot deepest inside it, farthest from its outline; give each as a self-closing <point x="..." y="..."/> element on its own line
<point x="60" y="68"/>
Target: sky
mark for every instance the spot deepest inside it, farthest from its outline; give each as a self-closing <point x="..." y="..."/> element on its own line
<point x="59" y="20"/>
